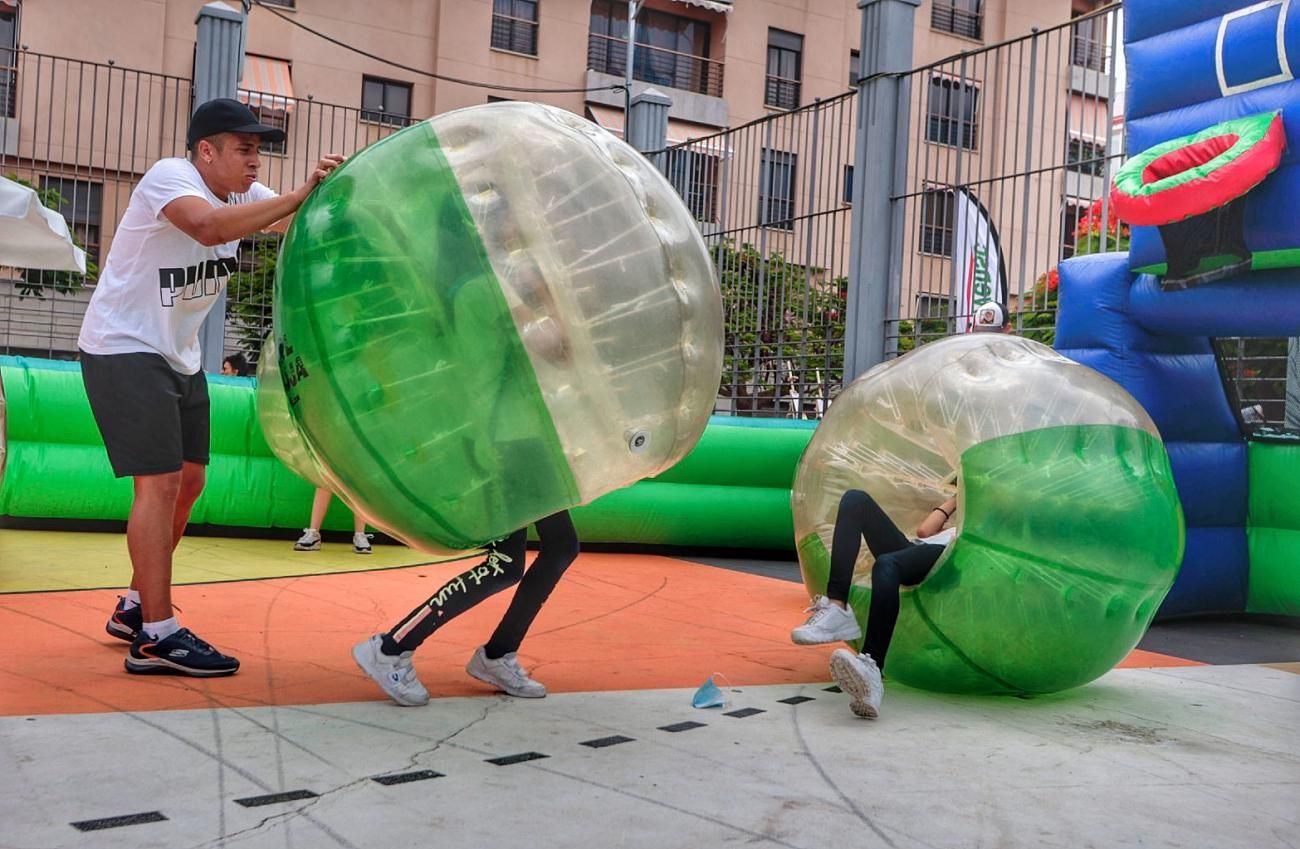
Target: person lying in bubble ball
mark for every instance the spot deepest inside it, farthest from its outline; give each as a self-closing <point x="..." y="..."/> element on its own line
<point x="900" y="562"/>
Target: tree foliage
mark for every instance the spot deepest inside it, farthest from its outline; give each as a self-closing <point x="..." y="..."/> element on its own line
<point x="250" y="292"/>
<point x="784" y="329"/>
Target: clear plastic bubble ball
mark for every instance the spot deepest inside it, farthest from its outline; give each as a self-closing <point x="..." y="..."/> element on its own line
<point x="1070" y="531"/>
<point x="281" y="433"/>
<point x="491" y="316"/>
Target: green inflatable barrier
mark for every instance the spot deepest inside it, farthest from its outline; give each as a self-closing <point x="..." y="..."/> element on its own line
<point x="1273" y="527"/>
<point x="3" y="445"/>
<point x="732" y="491"/>
<point x="653" y="513"/>
<point x="726" y="456"/>
<point x="58" y="467"/>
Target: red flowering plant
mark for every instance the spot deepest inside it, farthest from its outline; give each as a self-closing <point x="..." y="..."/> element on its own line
<point x="1038" y="306"/>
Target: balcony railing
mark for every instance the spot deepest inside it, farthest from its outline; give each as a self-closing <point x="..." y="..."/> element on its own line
<point x="8" y="92"/>
<point x="656" y="65"/>
<point x="514" y="34"/>
<point x="8" y="82"/>
<point x="958" y="21"/>
<point x="1087" y="52"/>
<point x="781" y="93"/>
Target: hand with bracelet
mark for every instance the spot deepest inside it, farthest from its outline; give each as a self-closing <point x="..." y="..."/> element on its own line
<point x="936" y="519"/>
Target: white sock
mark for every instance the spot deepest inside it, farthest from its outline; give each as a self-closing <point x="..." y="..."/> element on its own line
<point x="132" y="599"/>
<point x="162" y="630"/>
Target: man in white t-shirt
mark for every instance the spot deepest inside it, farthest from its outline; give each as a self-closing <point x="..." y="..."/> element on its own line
<point x="171" y="254"/>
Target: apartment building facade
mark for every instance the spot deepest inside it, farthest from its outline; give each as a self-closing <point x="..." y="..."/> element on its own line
<point x="95" y="91"/>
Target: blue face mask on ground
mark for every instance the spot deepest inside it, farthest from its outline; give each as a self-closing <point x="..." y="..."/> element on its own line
<point x="708" y="696"/>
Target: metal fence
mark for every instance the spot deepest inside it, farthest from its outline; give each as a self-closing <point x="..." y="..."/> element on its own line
<point x="84" y="134"/>
<point x="772" y="200"/>
<point x="1255" y="371"/>
<point x="1024" y="128"/>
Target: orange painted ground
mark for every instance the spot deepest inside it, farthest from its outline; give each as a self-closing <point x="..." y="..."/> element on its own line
<point x="616" y="622"/>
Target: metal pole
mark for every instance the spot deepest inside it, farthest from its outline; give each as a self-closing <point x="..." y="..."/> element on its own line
<point x="633" y="6"/>
<point x="1291" y="414"/>
<point x="1028" y="167"/>
<point x="651" y="108"/>
<point x="886" y="50"/>
<point x="955" y="297"/>
<point x="1112" y="24"/>
<point x="809" y="225"/>
<point x="218" y="65"/>
<point x="894" y="296"/>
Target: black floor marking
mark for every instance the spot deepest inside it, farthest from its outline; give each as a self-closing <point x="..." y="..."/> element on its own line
<point x="405" y="777"/>
<point x="607" y="741"/>
<point x="744" y="712"/>
<point x="834" y="688"/>
<point x="115" y="822"/>
<point x="796" y="700"/>
<point x="275" y="798"/>
<point x="517" y="759"/>
<point x="682" y="726"/>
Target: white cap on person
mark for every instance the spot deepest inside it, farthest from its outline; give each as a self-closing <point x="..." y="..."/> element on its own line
<point x="989" y="317"/>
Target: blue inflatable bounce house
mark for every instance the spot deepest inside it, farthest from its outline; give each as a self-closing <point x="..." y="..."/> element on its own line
<point x="1211" y="190"/>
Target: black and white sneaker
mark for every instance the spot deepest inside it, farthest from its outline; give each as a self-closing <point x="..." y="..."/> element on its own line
<point x="125" y="624"/>
<point x="181" y="653"/>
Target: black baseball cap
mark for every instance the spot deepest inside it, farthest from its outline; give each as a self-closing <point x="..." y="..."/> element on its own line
<point x="224" y="115"/>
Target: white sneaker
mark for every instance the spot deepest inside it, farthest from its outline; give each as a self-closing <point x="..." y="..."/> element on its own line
<point x="309" y="541"/>
<point x="361" y="543"/>
<point x="505" y="674"/>
<point x="829" y="623"/>
<point x="857" y="675"/>
<point x="394" y="674"/>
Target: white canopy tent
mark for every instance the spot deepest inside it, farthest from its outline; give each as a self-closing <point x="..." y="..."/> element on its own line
<point x="32" y="236"/>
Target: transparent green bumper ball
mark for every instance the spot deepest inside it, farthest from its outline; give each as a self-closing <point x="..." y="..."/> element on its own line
<point x="491" y="316"/>
<point x="1070" y="531"/>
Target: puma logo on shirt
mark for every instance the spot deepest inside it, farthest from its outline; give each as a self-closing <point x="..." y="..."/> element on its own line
<point x="195" y="281"/>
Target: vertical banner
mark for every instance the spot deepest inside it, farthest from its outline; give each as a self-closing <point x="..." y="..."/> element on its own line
<point x="981" y="270"/>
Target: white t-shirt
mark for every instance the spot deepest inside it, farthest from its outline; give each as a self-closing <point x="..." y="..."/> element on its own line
<point x="944" y="537"/>
<point x="158" y="284"/>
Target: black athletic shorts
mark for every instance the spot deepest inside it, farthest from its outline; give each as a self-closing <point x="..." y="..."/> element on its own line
<point x="151" y="416"/>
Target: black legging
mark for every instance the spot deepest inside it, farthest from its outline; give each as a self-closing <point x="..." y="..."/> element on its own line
<point x="899" y="562"/>
<point x="503" y="567"/>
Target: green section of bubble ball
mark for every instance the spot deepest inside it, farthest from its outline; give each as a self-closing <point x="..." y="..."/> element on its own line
<point x="403" y="367"/>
